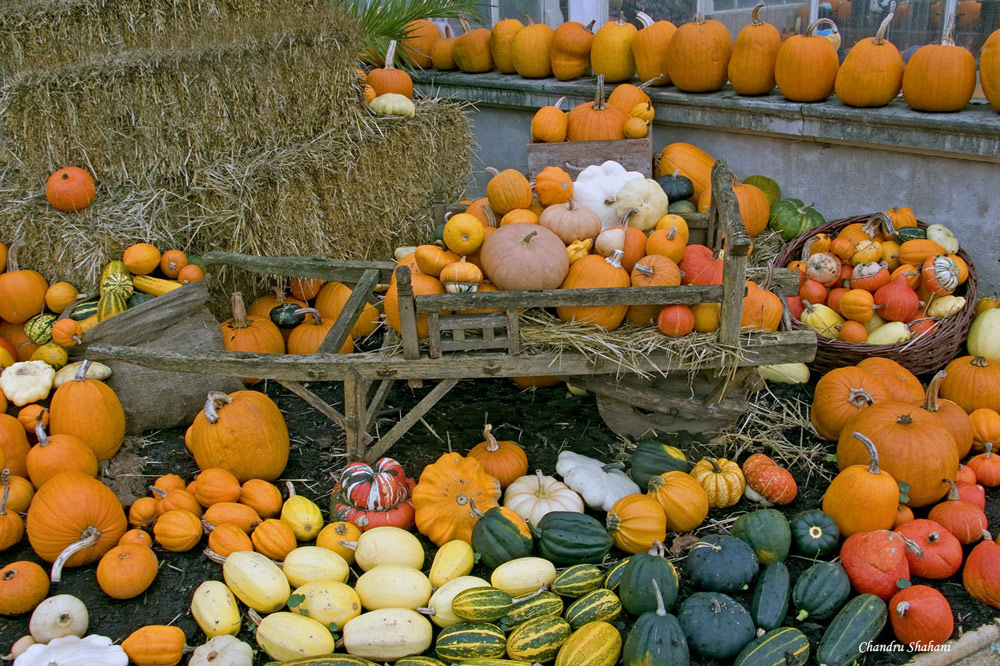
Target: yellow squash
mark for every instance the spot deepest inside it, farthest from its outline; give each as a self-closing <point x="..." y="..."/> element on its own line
<point x="256" y="581"/>
<point x="523" y="575"/>
<point x="303" y="516"/>
<point x="285" y="636"/>
<point x="328" y="602"/>
<point x="440" y="602"/>
<point x="388" y="545"/>
<point x="214" y="608"/>
<point x="393" y="586"/>
<point x="388" y="634"/>
<point x="454" y="559"/>
<point x="311" y="563"/>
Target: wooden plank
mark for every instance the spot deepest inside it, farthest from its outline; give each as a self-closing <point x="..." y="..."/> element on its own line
<point x="377" y="401"/>
<point x="650" y="399"/>
<point x="439" y="201"/>
<point x="356" y="415"/>
<point x="489" y="333"/>
<point x="785" y="278"/>
<point x="513" y="332"/>
<point x="309" y="267"/>
<point x="759" y="349"/>
<point x="559" y="297"/>
<point x="316" y="402"/>
<point x="360" y="295"/>
<point x="628" y="420"/>
<point x="407" y="318"/>
<point x="412" y="417"/>
<point x="434" y="334"/>
<point x="467" y="321"/>
<point x="474" y="344"/>
<point x="726" y="212"/>
<point x="575" y="156"/>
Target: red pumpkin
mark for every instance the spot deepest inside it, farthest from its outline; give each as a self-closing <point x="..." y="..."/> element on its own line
<point x="700" y="265"/>
<point x="966" y="521"/>
<point x="897" y="300"/>
<point x="973" y="493"/>
<point x="981" y="575"/>
<point x="987" y="467"/>
<point x="375" y="488"/>
<point x="401" y="515"/>
<point x="874" y="561"/>
<point x="965" y="474"/>
<point x="942" y="552"/>
<point x="675" y="321"/>
<point x="921" y="617"/>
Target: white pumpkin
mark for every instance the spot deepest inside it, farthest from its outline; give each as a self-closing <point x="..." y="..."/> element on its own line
<point x="393" y="104"/>
<point x="222" y="651"/>
<point x="646" y="198"/>
<point x="74" y="651"/>
<point x="944" y="237"/>
<point x="27" y="382"/>
<point x="984" y="336"/>
<point x="58" y="616"/>
<point x="597" y="188"/>
<point x="600" y="484"/>
<point x="531" y="497"/>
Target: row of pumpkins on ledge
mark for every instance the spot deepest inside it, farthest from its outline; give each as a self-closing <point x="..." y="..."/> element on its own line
<point x="701" y="56"/>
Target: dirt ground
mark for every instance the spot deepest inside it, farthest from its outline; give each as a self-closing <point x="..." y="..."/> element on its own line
<point x="543" y="421"/>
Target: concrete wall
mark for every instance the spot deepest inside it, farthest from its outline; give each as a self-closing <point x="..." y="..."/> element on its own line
<point x="848" y="162"/>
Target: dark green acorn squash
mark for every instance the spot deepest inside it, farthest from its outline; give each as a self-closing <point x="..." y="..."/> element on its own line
<point x="910" y="233"/>
<point x="635" y="590"/>
<point x="821" y="590"/>
<point x="815" y="533"/>
<point x="786" y="646"/>
<point x="684" y="206"/>
<point x="656" y="639"/>
<point x="652" y="458"/>
<point x="284" y="315"/>
<point x="857" y="623"/>
<point x="767" y="532"/>
<point x="501" y="535"/>
<point x="566" y="537"/>
<point x="767" y="186"/>
<point x="721" y="563"/>
<point x="676" y="186"/>
<point x="715" y="624"/>
<point x="791" y="217"/>
<point x="138" y="298"/>
<point x="771" y="596"/>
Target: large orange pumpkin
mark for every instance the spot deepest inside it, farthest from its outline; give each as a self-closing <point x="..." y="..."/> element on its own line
<point x="571" y="44"/>
<point x="950" y="414"/>
<point x="595" y="271"/>
<point x="940" y="77"/>
<point x="388" y="79"/>
<point x="422" y="285"/>
<point x="421" y="35"/>
<point x="597" y="120"/>
<point x="690" y="161"/>
<point x="531" y="50"/>
<point x="806" y="66"/>
<point x="872" y="72"/>
<point x="22" y="292"/>
<point x="611" y="51"/>
<point x="247" y="333"/>
<point x="649" y="48"/>
<point x="972" y="382"/>
<point x="989" y="69"/>
<point x="902" y="384"/>
<point x="90" y="410"/>
<point x="446" y="495"/>
<point x="698" y="55"/>
<point x="840" y="394"/>
<point x="636" y="522"/>
<point x="502" y="44"/>
<point x="751" y="67"/>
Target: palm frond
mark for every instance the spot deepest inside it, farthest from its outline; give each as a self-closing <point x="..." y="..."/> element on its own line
<point x="385" y="20"/>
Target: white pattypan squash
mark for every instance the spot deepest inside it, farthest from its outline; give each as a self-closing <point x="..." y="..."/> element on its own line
<point x="27" y="382"/>
<point x="74" y="651"/>
<point x="222" y="651"/>
<point x="597" y="186"/>
<point x="393" y="104"/>
<point x="600" y="484"/>
<point x="646" y="198"/>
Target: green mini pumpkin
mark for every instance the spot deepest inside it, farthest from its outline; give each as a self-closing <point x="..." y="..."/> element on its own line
<point x="567" y="537"/>
<point x="721" y="563"/>
<point x="656" y="638"/>
<point x="284" y="315"/>
<point x="821" y="590"/>
<point x="767" y="532"/>
<point x="767" y="186"/>
<point x="501" y="535"/>
<point x="652" y="458"/>
<point x="715" y="624"/>
<point x="635" y="590"/>
<point x="676" y="186"/>
<point x="684" y="206"/>
<point x="815" y="533"/>
<point x="791" y="217"/>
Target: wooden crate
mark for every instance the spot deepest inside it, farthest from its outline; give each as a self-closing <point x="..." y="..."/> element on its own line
<point x="575" y="156"/>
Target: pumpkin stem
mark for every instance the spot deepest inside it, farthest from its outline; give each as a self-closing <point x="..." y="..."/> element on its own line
<point x="390" y="55"/>
<point x="877" y="220"/>
<point x="879" y="37"/>
<point x="948" y="37"/>
<point x="157" y="491"/>
<point x="715" y="465"/>
<point x="873" y="466"/>
<point x="599" y="94"/>
<point x="645" y="84"/>
<point x="207" y="526"/>
<point x="754" y="18"/>
<point x="699" y="19"/>
<point x="239" y="319"/>
<point x="559" y="102"/>
<point x="12" y="257"/>
<point x="989" y="450"/>
<point x="645" y="19"/>
<point x="81" y="371"/>
<point x="626" y="215"/>
<point x="644" y="270"/>
<point x="527" y="17"/>
<point x="491" y="441"/>
<point x="530" y="595"/>
<point x="214" y="556"/>
<point x="43" y="439"/>
<point x="5" y="481"/>
<point x="902" y="606"/>
<point x="472" y="505"/>
<point x="912" y="546"/>
<point x="979" y="362"/>
<point x="818" y="22"/>
<point x="621" y="18"/>
<point x="986" y="535"/>
<point x="254" y="617"/>
<point x="590" y="26"/>
<point x="541" y="484"/>
<point x="447" y="31"/>
<point x="615" y="259"/>
<point x="216" y="399"/>
<point x="952" y="490"/>
<point x="312" y="311"/>
<point x="672" y="234"/>
<point x="716" y="606"/>
<point x="859" y="397"/>
<point x="904" y="419"/>
<point x="290" y="488"/>
<point x="88" y="538"/>
<point x="465" y="25"/>
<point x="661" y="609"/>
<point x="527" y="239"/>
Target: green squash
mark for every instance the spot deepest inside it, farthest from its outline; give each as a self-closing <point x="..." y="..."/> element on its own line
<point x="598" y="606"/>
<point x="438" y="234"/>
<point x="83" y="311"/>
<point x="821" y="590"/>
<point x="910" y="233"/>
<point x="341" y="660"/>
<point x="791" y="217"/>
<point x="500" y="535"/>
<point x="635" y="591"/>
<point x="684" y="206"/>
<point x="857" y="623"/>
<point x="786" y="646"/>
<point x="767" y="186"/>
<point x="138" y="298"/>
<point x="771" y="596"/>
<point x="111" y="304"/>
<point x="546" y="603"/>
<point x="116" y="277"/>
<point x="656" y="639"/>
<point x="652" y="458"/>
<point x="676" y="187"/>
<point x="613" y="578"/>
<point x="715" y="624"/>
<point x="469" y="640"/>
<point x="721" y="563"/>
<point x="481" y="604"/>
<point x="815" y="533"/>
<point x="284" y="315"/>
<point x="577" y="581"/>
<point x="567" y="537"/>
<point x="539" y="639"/>
<point x="39" y="328"/>
<point x="767" y="532"/>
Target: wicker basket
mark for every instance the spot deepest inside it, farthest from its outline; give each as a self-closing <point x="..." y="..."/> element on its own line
<point x="922" y="355"/>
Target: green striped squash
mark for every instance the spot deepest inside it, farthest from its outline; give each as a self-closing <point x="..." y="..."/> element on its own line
<point x="468" y="640"/>
<point x="786" y="646"/>
<point x="910" y="233"/>
<point x="614" y="575"/>
<point x="544" y="605"/>
<point x="594" y="644"/>
<point x="326" y="660"/>
<point x="539" y="639"/>
<point x="111" y="303"/>
<point x="84" y="310"/>
<point x="821" y="590"/>
<point x="494" y="662"/>
<point x="116" y="278"/>
<point x="600" y="605"/>
<point x="577" y="581"/>
<point x="420" y="661"/>
<point x="771" y="596"/>
<point x="481" y="604"/>
<point x="39" y="328"/>
<point x="859" y="622"/>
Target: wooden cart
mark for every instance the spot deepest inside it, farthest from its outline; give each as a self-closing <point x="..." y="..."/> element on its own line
<point x="481" y="346"/>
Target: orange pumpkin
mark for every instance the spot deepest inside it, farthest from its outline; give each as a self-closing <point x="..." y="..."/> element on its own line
<point x="273" y="538"/>
<point x="421" y="285"/>
<point x="553" y="186"/>
<point x="675" y="321"/>
<point x="751" y="67"/>
<point x="690" y="161"/>
<point x="56" y="454"/>
<point x="89" y="410"/>
<point x="261" y="496"/>
<point x="504" y="460"/>
<point x="388" y="79"/>
<point x="840" y="394"/>
<point x="59" y="296"/>
<point x="11" y="525"/>
<point x="502" y="44"/>
<point x="548" y="125"/>
<point x="862" y="497"/>
<point x="698" y="55"/>
<point x="985" y="427"/>
<point x="611" y="51"/>
<point x="761" y="309"/>
<point x="125" y="572"/>
<point x="143" y="512"/>
<point x="806" y="67"/>
<point x="597" y="120"/>
<point x="332" y="534"/>
<point x="177" y="530"/>
<point x="636" y="522"/>
<point x="155" y="645"/>
<point x="902" y="384"/>
<point x="226" y="539"/>
<point x="972" y="382"/>
<point x="444" y="497"/>
<point x="171" y="263"/>
<point x="651" y="271"/>
<point x="507" y="190"/>
<point x="667" y="242"/>
<point x="23" y="585"/>
<point x="22" y="295"/>
<point x="67" y="332"/>
<point x="442" y="53"/>
<point x="531" y="51"/>
<point x="70" y="189"/>
<point x="472" y="50"/>
<point x="591" y="272"/>
<point x="418" y="44"/>
<point x="989" y="69"/>
<point x="248" y="333"/>
<point x="141" y="258"/>
<point x="940" y="77"/>
<point x="217" y="485"/>
<point x="649" y="49"/>
<point x="571" y="44"/>
<point x="307" y="337"/>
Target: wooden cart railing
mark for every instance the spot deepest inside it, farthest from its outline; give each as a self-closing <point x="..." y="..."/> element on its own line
<point x="477" y="346"/>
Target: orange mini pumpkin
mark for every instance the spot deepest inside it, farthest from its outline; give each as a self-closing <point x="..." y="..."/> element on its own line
<point x="445" y="493"/>
<point x="141" y="258"/>
<point x="636" y="522"/>
<point x="23" y="585"/>
<point x="70" y="189"/>
<point x="126" y="571"/>
<point x="388" y="79"/>
<point x="504" y="460"/>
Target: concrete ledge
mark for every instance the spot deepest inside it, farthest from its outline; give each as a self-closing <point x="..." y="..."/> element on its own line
<point x="973" y="133"/>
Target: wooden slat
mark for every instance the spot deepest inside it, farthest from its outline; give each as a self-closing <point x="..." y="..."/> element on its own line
<point x="498" y="342"/>
<point x="341" y="328"/>
<point x="356" y="415"/>
<point x="650" y="399"/>
<point x="758" y="348"/>
<point x="574" y="156"/>
<point x="488" y="320"/>
<point x="489" y="333"/>
<point x="407" y="316"/>
<point x="726" y="212"/>
<point x="434" y="334"/>
<point x="561" y="297"/>
<point x="321" y="268"/>
<point x="412" y="417"/>
<point x="513" y="332"/>
<point x="377" y="401"/>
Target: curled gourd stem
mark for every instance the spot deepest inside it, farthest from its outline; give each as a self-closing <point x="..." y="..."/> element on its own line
<point x="615" y="259"/>
<point x="290" y="487"/>
<point x="877" y="220"/>
<point x="559" y="102"/>
<point x="860" y="398"/>
<point x="879" y="37"/>
<point x="530" y="595"/>
<point x="948" y="37"/>
<point x="214" y="556"/>
<point x="599" y="94"/>
<point x="661" y="610"/>
<point x="254" y="617"/>
<point x="43" y="439"/>
<point x="754" y="17"/>
<point x="81" y="371"/>
<point x="541" y="484"/>
<point x="590" y="26"/>
<point x="5" y="481"/>
<point x="817" y="23"/>
<point x="645" y="19"/>
<point x="493" y="171"/>
<point x="465" y="25"/>
<point x="626" y="215"/>
<point x="699" y="19"/>
<point x="621" y="18"/>
<point x="491" y="441"/>
<point x="157" y="491"/>
<point x="873" y="465"/>
<point x="527" y="17"/>
<point x="646" y="271"/>
<point x="215" y="401"/>
<point x="902" y="607"/>
<point x="207" y="526"/>
<point x="527" y="239"/>
<point x="311" y="311"/>
<point x="88" y="538"/>
<point x="911" y="545"/>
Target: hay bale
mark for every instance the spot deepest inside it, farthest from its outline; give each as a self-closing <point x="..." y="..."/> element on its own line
<point x="43" y="33"/>
<point x="143" y="118"/>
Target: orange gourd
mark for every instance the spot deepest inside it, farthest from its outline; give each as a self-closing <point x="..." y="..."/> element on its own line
<point x="964" y="520"/>
<point x="59" y="296"/>
<point x="333" y="533"/>
<point x="472" y="50"/>
<point x="443" y="52"/>
<point x="951" y="415"/>
<point x="675" y="321"/>
<point x="761" y="309"/>
<point x="177" y="530"/>
<point x="985" y="427"/>
<point x="872" y="73"/>
<point x="553" y="186"/>
<point x="173" y="500"/>
<point x="507" y="190"/>
<point x="751" y="67"/>
<point x="504" y="460"/>
<point x="248" y="333"/>
<point x="143" y="512"/>
<point x="806" y="67"/>
<point x="307" y="337"/>
<point x="89" y="410"/>
<point x="226" y="539"/>
<point x="986" y="467"/>
<point x="651" y="271"/>
<point x="14" y="445"/>
<point x="570" y="55"/>
<point x="595" y="271"/>
<point x="902" y="384"/>
<point x="70" y="189"/>
<point x="698" y="55"/>
<point x="611" y="51"/>
<point x="141" y="258"/>
<point x="137" y="537"/>
<point x="171" y="263"/>
<point x="549" y="124"/>
<point x="989" y="69"/>
<point x="940" y="77"/>
<point x="502" y="44"/>
<point x="11" y="525"/>
<point x="668" y="243"/>
<point x="636" y="522"/>
<point x="274" y="539"/>
<point x="972" y="382"/>
<point x="232" y="513"/>
<point x="261" y="496"/>
<point x="125" y="572"/>
<point x="67" y="333"/>
<point x="444" y="496"/>
<point x="155" y="645"/>
<point x="418" y="44"/>
<point x="23" y="585"/>
<point x="56" y="454"/>
<point x="388" y="79"/>
<point x="22" y="292"/>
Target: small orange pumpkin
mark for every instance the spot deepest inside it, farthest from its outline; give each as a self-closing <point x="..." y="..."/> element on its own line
<point x="141" y="258"/>
<point x="126" y="571"/>
<point x="226" y="539"/>
<point x="70" y="189"/>
<point x="636" y="522"/>
<point x="504" y="460"/>
<point x="23" y="585"/>
<point x="274" y="539"/>
<point x="177" y="530"/>
<point x="155" y="645"/>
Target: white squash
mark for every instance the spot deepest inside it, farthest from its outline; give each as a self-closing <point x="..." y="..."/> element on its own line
<point x="222" y="651"/>
<point x="646" y="198"/>
<point x="27" y="382"/>
<point x="74" y="651"/>
<point x="439" y="605"/>
<point x="285" y="636"/>
<point x="95" y="370"/>
<point x="944" y="237"/>
<point x="58" y="616"/>
<point x="388" y="634"/>
<point x="984" y="335"/>
<point x="388" y="545"/>
<point x="214" y="608"/>
<point x="403" y="251"/>
<point x="311" y="563"/>
<point x="597" y="186"/>
<point x="393" y="104"/>
<point x="393" y="586"/>
<point x="533" y="496"/>
<point x="945" y="306"/>
<point x="20" y="645"/>
<point x="889" y="334"/>
<point x="784" y="373"/>
<point x="326" y="601"/>
<point x="600" y="484"/>
<point x="452" y="560"/>
<point x="256" y="581"/>
<point x="523" y="575"/>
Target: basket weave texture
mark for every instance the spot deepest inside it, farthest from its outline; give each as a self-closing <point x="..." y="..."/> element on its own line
<point x="924" y="355"/>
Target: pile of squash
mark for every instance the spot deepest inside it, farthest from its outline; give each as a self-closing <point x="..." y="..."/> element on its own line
<point x="883" y="281"/>
<point x="701" y="56"/>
